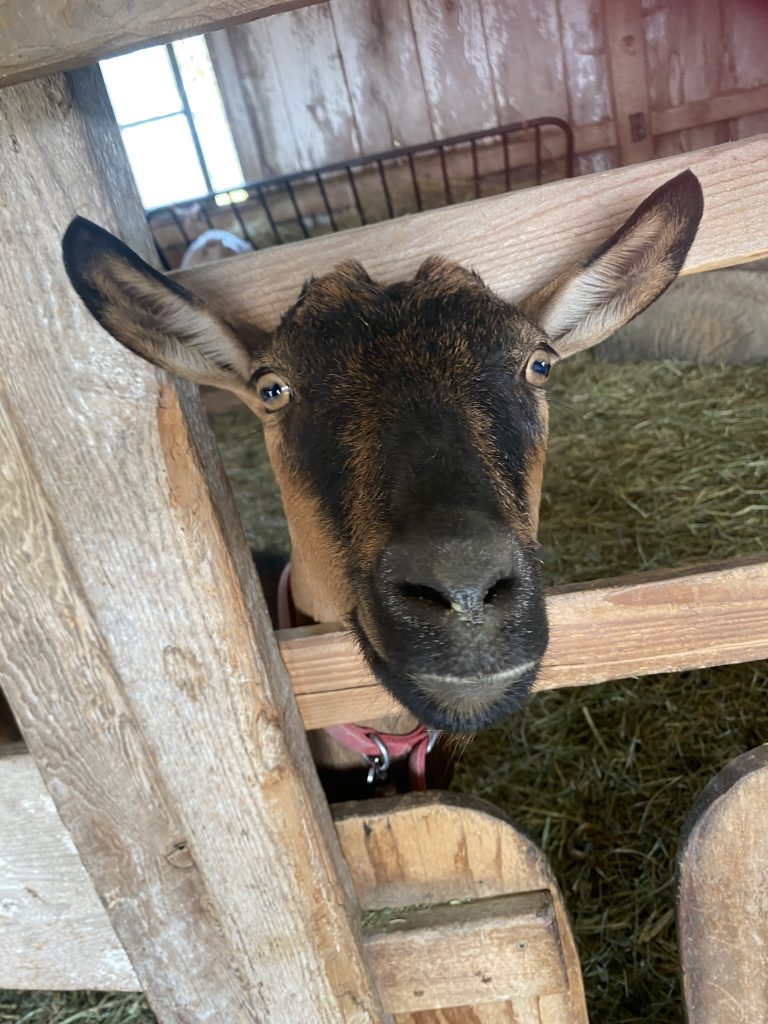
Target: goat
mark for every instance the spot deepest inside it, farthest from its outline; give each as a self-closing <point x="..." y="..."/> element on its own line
<point x="407" y="426"/>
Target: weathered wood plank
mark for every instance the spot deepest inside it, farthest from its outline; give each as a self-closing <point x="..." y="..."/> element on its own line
<point x="744" y="65"/>
<point x="586" y="76"/>
<point x="314" y="86"/>
<point x="437" y="956"/>
<point x="383" y="73"/>
<point x="454" y="61"/>
<point x="440" y="847"/>
<point x="47" y="900"/>
<point x="684" y="57"/>
<point x="38" y="37"/>
<point x="526" y="60"/>
<point x="488" y="950"/>
<point x="722" y="897"/>
<point x="169" y="737"/>
<point x="285" y="91"/>
<point x="632" y="626"/>
<point x="698" y="113"/>
<point x="516" y="241"/>
<point x="629" y="84"/>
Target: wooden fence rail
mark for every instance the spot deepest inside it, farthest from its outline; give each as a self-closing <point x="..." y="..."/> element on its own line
<point x="632" y="626"/>
<point x="517" y="241"/>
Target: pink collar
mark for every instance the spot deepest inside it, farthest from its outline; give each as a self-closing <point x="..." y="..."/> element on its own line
<point x="378" y="749"/>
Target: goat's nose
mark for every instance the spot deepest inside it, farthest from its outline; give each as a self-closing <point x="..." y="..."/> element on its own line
<point x="454" y="577"/>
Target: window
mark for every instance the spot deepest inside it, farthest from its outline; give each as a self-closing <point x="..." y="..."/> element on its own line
<point x="167" y="104"/>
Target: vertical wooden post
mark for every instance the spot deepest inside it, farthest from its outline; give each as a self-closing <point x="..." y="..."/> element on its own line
<point x="136" y="652"/>
<point x="628" y="76"/>
<point x="722" y="896"/>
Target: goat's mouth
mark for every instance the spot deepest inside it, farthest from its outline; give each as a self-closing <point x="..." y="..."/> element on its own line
<point x="469" y="702"/>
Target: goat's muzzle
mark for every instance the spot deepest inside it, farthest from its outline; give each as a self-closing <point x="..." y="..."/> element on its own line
<point x="454" y="623"/>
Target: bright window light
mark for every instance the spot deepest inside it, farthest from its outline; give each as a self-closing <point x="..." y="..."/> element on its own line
<point x="164" y="162"/>
<point x="237" y="195"/>
<point x="141" y="85"/>
<point x="208" y="110"/>
<point x="159" y="131"/>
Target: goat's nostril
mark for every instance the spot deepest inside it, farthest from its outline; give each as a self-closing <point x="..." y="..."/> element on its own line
<point x="417" y="592"/>
<point x="500" y="589"/>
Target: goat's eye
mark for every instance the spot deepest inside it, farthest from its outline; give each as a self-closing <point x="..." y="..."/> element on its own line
<point x="273" y="390"/>
<point x="538" y="367"/>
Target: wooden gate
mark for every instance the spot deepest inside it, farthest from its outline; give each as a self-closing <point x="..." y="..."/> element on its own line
<point x="170" y="736"/>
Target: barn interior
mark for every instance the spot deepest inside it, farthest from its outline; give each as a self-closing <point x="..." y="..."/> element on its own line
<point x="350" y="112"/>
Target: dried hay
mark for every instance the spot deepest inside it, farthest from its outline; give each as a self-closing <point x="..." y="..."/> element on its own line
<point x="651" y="465"/>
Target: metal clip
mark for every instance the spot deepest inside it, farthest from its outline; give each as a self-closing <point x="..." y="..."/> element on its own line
<point x="378" y="764"/>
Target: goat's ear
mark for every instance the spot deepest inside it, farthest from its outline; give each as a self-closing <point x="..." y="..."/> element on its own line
<point x="624" y="275"/>
<point x="149" y="313"/>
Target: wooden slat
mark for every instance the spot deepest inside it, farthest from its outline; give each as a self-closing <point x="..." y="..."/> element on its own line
<point x="453" y="59"/>
<point x="710" y="111"/>
<point x="516" y="241"/>
<point x="38" y="37"/>
<point x="489" y="950"/>
<point x="47" y="901"/>
<point x="722" y="897"/>
<point x="623" y="20"/>
<point x="171" y="743"/>
<point x="686" y="57"/>
<point x="631" y="626"/>
<point x="585" y="60"/>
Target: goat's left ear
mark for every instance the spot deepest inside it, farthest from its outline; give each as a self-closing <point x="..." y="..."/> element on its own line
<point x="586" y="304"/>
<point x="151" y="314"/>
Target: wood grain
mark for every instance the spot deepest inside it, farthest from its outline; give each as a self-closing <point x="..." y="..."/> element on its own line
<point x="623" y="22"/>
<point x="481" y="951"/>
<point x="38" y="37"/>
<point x="723" y="898"/>
<point x="378" y="50"/>
<point x="454" y="62"/>
<point x="611" y="629"/>
<point x="428" y="849"/>
<point x="685" y="57"/>
<point x="47" y="900"/>
<point x="710" y="111"/>
<point x="438" y="847"/>
<point x="136" y="652"/>
<point x="517" y="241"/>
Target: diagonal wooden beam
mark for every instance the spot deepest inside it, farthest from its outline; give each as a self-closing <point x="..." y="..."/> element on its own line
<point x="135" y="649"/>
<point x="611" y="629"/>
<point x="516" y="241"/>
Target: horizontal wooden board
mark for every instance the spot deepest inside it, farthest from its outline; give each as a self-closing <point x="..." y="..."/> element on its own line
<point x="486" y="950"/>
<point x="38" y="37"/>
<point x="516" y="241"/>
<point x="710" y="111"/>
<point x="631" y="626"/>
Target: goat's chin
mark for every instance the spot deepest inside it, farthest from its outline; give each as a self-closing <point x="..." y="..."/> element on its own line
<point x="452" y="703"/>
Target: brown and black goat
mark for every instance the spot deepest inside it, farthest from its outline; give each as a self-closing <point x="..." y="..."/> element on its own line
<point x="407" y="428"/>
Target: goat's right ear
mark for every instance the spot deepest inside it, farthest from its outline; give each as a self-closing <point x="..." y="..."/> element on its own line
<point x="149" y="313"/>
<point x="588" y="303"/>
